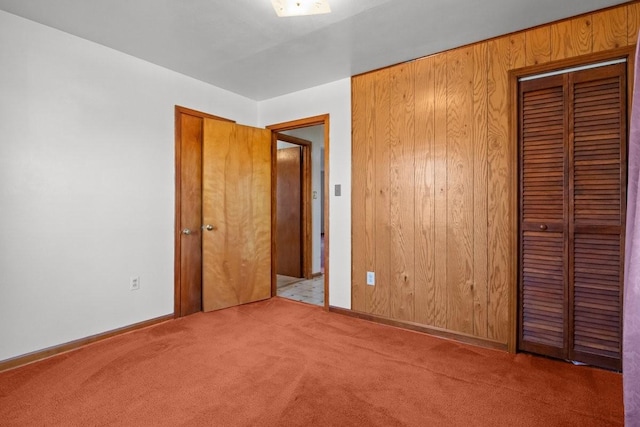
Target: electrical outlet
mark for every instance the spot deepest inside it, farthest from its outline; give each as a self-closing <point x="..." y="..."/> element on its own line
<point x="371" y="278"/>
<point x="134" y="283"/>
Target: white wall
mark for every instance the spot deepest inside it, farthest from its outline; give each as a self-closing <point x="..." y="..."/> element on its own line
<point x="334" y="99"/>
<point x="87" y="184"/>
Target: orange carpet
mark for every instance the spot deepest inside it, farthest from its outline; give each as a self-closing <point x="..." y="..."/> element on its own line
<point x="282" y="363"/>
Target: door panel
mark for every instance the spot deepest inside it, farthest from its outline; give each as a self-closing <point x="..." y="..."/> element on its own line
<point x="543" y="293"/>
<point x="237" y="204"/>
<point x="598" y="110"/>
<point x="597" y="309"/>
<point x="190" y="215"/>
<point x="289" y="212"/>
<point x="543" y="311"/>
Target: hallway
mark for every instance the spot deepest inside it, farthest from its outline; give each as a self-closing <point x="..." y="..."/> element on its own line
<point x="309" y="291"/>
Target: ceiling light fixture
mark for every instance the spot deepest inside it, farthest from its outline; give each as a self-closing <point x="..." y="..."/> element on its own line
<point x="300" y="7"/>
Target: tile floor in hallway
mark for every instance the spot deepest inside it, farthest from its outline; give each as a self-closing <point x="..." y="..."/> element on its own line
<point x="309" y="291"/>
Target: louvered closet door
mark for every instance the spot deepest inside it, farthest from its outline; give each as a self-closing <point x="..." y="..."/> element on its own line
<point x="598" y="183"/>
<point x="543" y="238"/>
<point x="572" y="193"/>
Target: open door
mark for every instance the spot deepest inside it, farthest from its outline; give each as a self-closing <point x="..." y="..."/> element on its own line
<point x="289" y="232"/>
<point x="236" y="213"/>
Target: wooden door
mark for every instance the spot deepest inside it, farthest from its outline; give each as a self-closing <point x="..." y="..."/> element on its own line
<point x="190" y="216"/>
<point x="572" y="187"/>
<point x="236" y="211"/>
<point x="597" y="190"/>
<point x="543" y="218"/>
<point x="289" y="212"/>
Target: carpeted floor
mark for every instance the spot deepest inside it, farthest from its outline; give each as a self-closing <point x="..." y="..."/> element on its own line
<point x="283" y="363"/>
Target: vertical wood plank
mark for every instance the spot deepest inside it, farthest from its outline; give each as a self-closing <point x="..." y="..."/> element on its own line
<point x="408" y="193"/>
<point x="516" y="60"/>
<point x="633" y="23"/>
<point x="538" y="45"/>
<point x="518" y="52"/>
<point x="460" y="175"/>
<point x="370" y="167"/>
<point x="401" y="195"/>
<point x="610" y="29"/>
<point x="498" y="182"/>
<point x="358" y="189"/>
<point x="480" y="248"/>
<point x="378" y="295"/>
<point x="440" y="201"/>
<point x="424" y="192"/>
<point x="571" y="38"/>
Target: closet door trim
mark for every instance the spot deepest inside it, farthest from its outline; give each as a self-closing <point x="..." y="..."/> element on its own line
<point x="627" y="53"/>
<point x="573" y="69"/>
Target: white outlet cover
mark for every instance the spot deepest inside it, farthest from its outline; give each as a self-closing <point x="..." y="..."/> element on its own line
<point x="134" y="283"/>
<point x="371" y="278"/>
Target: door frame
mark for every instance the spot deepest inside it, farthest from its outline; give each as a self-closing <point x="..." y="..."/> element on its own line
<point x="177" y="269"/>
<point x="281" y="127"/>
<point x="306" y="219"/>
<point x="627" y="53"/>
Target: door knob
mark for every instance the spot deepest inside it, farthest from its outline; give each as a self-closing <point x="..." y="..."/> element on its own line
<point x="208" y="227"/>
<point x="543" y="227"/>
<point x="186" y="231"/>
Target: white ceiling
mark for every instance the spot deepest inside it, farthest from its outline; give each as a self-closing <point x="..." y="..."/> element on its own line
<point x="242" y="46"/>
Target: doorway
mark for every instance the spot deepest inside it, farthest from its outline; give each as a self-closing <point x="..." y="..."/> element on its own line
<point x="293" y="169"/>
<point x="190" y="126"/>
<point x="312" y="134"/>
<point x="189" y="129"/>
<point x="572" y="143"/>
<point x="223" y="228"/>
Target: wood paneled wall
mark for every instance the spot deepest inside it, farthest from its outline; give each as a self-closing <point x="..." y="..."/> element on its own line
<point x="433" y="197"/>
